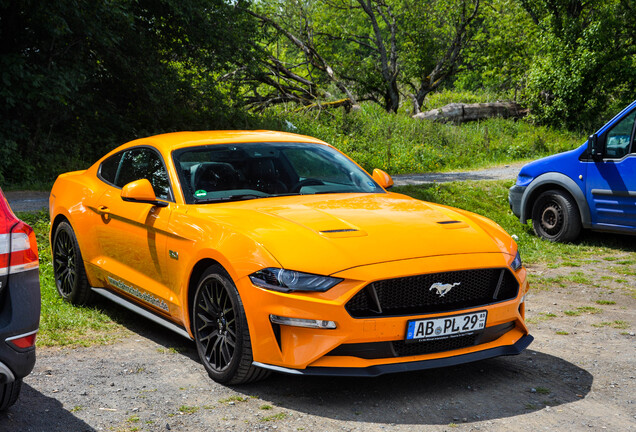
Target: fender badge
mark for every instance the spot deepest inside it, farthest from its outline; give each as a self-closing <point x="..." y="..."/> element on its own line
<point x="173" y="254"/>
<point x="442" y="289"/>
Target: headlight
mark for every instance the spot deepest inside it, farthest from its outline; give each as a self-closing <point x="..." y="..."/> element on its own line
<point x="289" y="280"/>
<point x="516" y="263"/>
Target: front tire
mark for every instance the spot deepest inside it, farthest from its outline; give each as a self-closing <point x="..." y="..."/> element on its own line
<point x="555" y="217"/>
<point x="220" y="330"/>
<point x="68" y="267"/>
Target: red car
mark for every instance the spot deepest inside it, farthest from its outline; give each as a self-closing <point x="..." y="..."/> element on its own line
<point x="19" y="302"/>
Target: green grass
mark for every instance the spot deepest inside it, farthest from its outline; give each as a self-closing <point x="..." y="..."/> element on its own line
<point x="274" y="417"/>
<point x="61" y="323"/>
<point x="185" y="409"/>
<point x="583" y="309"/>
<point x="398" y="143"/>
<point x="605" y="302"/>
<point x="234" y="398"/>
<point x="618" y="324"/>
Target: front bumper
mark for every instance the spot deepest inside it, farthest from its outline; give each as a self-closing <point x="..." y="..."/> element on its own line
<point x="19" y="315"/>
<point x="333" y="351"/>
<point x="515" y="194"/>
<point x="373" y="371"/>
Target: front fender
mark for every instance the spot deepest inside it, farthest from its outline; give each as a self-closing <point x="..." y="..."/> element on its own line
<point x="554" y="180"/>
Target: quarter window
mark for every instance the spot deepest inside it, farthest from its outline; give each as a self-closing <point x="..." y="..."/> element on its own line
<point x="136" y="164"/>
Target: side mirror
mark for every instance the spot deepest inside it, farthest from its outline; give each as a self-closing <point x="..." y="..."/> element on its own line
<point x="382" y="178"/>
<point x="593" y="149"/>
<point x="141" y="191"/>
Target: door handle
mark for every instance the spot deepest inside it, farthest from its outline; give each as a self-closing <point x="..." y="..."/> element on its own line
<point x="102" y="209"/>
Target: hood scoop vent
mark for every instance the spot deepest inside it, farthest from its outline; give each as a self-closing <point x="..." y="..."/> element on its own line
<point x="343" y="232"/>
<point x="453" y="224"/>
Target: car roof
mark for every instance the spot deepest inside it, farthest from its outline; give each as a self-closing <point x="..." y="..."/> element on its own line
<point x="176" y="140"/>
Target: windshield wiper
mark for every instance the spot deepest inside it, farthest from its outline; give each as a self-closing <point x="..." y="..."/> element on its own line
<point x="237" y="197"/>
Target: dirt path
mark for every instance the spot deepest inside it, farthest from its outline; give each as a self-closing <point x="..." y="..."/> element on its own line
<point x="579" y="374"/>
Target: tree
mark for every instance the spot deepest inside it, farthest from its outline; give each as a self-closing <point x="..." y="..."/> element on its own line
<point x="368" y="49"/>
<point x="586" y="62"/>
<point x="81" y="76"/>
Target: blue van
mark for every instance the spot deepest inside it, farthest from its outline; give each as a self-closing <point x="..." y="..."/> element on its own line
<point x="593" y="186"/>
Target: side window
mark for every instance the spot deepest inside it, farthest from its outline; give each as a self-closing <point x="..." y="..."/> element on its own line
<point x="143" y="163"/>
<point x="108" y="168"/>
<point x="619" y="137"/>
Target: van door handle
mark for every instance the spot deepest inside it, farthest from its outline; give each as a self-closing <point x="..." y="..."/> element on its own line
<point x="102" y="209"/>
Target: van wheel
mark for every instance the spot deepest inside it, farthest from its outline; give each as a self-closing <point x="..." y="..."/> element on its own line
<point x="555" y="217"/>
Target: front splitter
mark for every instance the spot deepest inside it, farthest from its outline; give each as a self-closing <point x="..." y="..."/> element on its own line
<point x="377" y="370"/>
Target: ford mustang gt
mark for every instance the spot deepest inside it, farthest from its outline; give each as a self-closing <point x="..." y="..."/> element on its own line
<point x="275" y="251"/>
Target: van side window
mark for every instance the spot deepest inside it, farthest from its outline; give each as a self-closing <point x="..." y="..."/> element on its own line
<point x="619" y="137"/>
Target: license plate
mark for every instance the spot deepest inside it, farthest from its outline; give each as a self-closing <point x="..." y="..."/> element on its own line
<point x="446" y="327"/>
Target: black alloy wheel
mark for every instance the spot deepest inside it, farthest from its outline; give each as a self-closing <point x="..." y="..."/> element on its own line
<point x="220" y="330"/>
<point x="68" y="267"/>
<point x="555" y="216"/>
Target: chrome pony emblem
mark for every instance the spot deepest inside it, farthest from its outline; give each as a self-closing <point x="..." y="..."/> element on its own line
<point x="442" y="289"/>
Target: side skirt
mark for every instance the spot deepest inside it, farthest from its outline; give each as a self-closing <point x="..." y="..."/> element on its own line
<point x="143" y="312"/>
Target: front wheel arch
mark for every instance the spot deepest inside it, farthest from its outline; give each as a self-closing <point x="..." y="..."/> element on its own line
<point x="556" y="181"/>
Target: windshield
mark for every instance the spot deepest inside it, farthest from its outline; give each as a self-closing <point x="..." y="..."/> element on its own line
<point x="217" y="173"/>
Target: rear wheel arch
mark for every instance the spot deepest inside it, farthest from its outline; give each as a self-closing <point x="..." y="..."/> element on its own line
<point x="58" y="220"/>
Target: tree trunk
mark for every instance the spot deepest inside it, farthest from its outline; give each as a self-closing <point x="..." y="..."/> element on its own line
<point x="459" y="112"/>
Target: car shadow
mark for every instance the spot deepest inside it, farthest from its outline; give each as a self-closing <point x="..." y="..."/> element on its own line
<point x="486" y="390"/>
<point x="36" y="412"/>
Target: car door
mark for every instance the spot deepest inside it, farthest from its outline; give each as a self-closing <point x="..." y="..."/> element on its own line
<point x="132" y="236"/>
<point x="611" y="182"/>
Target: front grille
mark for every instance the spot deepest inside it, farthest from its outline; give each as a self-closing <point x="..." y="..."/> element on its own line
<point x="416" y="295"/>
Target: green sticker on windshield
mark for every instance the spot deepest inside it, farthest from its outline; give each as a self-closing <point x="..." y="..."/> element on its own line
<point x="200" y="193"/>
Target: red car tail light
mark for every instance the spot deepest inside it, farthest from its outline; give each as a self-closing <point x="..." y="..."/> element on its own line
<point x="18" y="247"/>
<point x="23" y="341"/>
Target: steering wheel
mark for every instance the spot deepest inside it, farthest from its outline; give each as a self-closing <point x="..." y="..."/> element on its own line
<point x="306" y="182"/>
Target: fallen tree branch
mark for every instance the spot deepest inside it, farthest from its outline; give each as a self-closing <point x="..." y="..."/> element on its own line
<point x="460" y="113"/>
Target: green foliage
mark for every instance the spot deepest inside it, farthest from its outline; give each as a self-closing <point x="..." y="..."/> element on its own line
<point x="81" y="77"/>
<point x="585" y="71"/>
<point x="502" y="51"/>
<point x="400" y="144"/>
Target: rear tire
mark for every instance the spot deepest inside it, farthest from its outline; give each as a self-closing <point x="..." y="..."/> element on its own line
<point x="220" y="330"/>
<point x="9" y="393"/>
<point x="555" y="217"/>
<point x="68" y="267"/>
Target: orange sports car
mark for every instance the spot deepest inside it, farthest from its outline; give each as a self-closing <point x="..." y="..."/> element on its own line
<point x="274" y="251"/>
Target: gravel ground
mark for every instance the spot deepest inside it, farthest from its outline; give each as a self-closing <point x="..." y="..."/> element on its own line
<point x="579" y="374"/>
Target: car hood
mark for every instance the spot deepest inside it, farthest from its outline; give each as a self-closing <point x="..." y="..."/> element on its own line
<point x="325" y="234"/>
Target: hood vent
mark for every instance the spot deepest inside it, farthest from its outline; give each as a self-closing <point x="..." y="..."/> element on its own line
<point x="343" y="233"/>
<point x="453" y="224"/>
